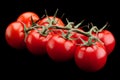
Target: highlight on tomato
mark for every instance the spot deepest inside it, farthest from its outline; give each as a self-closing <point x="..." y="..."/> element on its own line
<point x="51" y="20"/>
<point x="14" y="35"/>
<point x="91" y="58"/>
<point x="36" y="42"/>
<point x="60" y="49"/>
<point x="108" y="39"/>
<point x="28" y="18"/>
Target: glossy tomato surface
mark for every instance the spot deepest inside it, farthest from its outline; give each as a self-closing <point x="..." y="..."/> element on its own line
<point x="26" y="18"/>
<point x="108" y="39"/>
<point x="14" y="35"/>
<point x="36" y="43"/>
<point x="51" y="20"/>
<point x="60" y="49"/>
<point x="91" y="58"/>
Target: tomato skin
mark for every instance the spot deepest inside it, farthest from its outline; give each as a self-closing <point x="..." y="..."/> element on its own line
<point x="14" y="35"/>
<point x="78" y="37"/>
<point x="108" y="39"/>
<point x="36" y="43"/>
<point x="60" y="49"/>
<point x="91" y="58"/>
<point x="26" y="18"/>
<point x="57" y="22"/>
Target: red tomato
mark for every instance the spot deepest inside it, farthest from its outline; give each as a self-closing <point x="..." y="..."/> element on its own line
<point x="60" y="49"/>
<point x="26" y="18"/>
<point x="79" y="36"/>
<point x="14" y="35"/>
<point x="90" y="58"/>
<point x="36" y="43"/>
<point x="56" y="22"/>
<point x="108" y="39"/>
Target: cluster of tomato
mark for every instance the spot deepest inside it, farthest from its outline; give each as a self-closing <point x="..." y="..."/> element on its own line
<point x="49" y="35"/>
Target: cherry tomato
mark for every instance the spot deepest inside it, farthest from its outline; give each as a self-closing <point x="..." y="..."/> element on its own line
<point x="36" y="43"/>
<point x="60" y="49"/>
<point x="78" y="36"/>
<point x="91" y="58"/>
<point x="57" y="21"/>
<point x="108" y="39"/>
<point x="14" y="35"/>
<point x="26" y="18"/>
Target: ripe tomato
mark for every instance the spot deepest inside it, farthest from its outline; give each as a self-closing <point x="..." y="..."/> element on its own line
<point x="56" y="22"/>
<point x="79" y="36"/>
<point x="90" y="58"/>
<point x="60" y="49"/>
<point x="108" y="39"/>
<point x="14" y="35"/>
<point x="36" y="43"/>
<point x="26" y="18"/>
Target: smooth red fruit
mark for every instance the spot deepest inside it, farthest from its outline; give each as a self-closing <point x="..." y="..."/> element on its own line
<point x="60" y="49"/>
<point x="36" y="43"/>
<point x="78" y="36"/>
<point x="108" y="39"/>
<point x="14" y="35"/>
<point x="91" y="58"/>
<point x="56" y="22"/>
<point x="26" y="18"/>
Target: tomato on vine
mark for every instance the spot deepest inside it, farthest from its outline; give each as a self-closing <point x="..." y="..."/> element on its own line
<point x="51" y="20"/>
<point x="77" y="37"/>
<point x="49" y="35"/>
<point x="14" y="35"/>
<point x="108" y="39"/>
<point x="36" y="42"/>
<point x="91" y="58"/>
<point x="27" y="18"/>
<point x="60" y="49"/>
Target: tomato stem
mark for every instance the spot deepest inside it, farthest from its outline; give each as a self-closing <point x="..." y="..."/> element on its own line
<point x="44" y="31"/>
<point x="55" y="14"/>
<point x="103" y="27"/>
<point x="25" y="31"/>
<point x="68" y="35"/>
<point x="71" y="28"/>
<point x="78" y="24"/>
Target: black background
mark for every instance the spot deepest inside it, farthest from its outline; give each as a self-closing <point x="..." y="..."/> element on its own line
<point x="22" y="61"/>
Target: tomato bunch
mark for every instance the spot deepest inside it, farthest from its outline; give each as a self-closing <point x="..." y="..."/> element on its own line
<point x="61" y="42"/>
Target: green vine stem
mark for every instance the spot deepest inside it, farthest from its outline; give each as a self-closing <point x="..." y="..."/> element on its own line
<point x="68" y="27"/>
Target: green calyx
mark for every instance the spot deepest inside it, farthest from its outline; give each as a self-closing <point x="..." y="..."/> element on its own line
<point x="67" y="35"/>
<point x="69" y="27"/>
<point x="92" y="39"/>
<point x="52" y="21"/>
